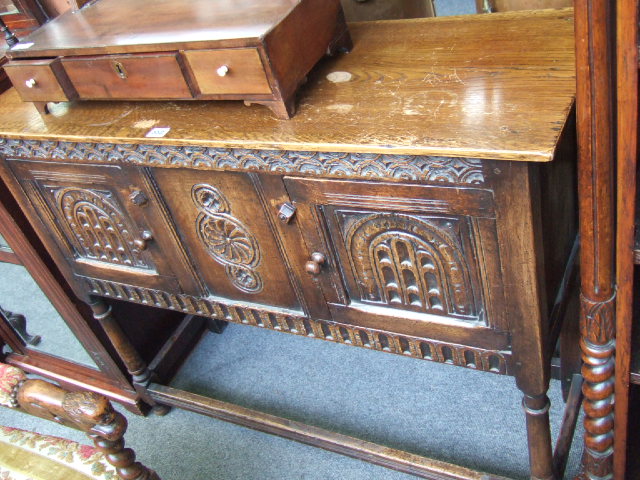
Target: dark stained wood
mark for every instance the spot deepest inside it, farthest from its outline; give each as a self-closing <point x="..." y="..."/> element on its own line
<point x="75" y="377"/>
<point x="596" y="153"/>
<point x="244" y="71"/>
<point x="175" y="25"/>
<point x="33" y="9"/>
<point x="116" y="77"/>
<point x="40" y="80"/>
<point x="430" y="92"/>
<point x="86" y="411"/>
<point x="138" y="230"/>
<point x="168" y="360"/>
<point x="32" y="255"/>
<point x="627" y="161"/>
<point x="7" y="256"/>
<point x="388" y="457"/>
<point x="136" y="366"/>
<point x="256" y="271"/>
<point x="30" y="16"/>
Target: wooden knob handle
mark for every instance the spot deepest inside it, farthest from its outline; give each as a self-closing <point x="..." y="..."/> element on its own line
<point x="144" y="240"/>
<point x="314" y="266"/>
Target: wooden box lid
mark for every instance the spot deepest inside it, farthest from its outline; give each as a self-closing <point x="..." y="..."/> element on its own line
<point x="126" y="26"/>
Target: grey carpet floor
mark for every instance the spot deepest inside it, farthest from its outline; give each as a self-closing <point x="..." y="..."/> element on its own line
<point x="19" y="293"/>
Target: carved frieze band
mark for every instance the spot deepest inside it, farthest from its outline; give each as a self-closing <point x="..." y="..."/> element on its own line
<point x="226" y="239"/>
<point x="356" y="165"/>
<point x="474" y="358"/>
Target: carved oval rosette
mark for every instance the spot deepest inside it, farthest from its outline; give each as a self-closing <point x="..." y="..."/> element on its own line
<point x="226" y="239"/>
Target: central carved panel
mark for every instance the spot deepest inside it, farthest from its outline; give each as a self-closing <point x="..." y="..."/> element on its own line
<point x="97" y="227"/>
<point x="226" y="239"/>
<point x="411" y="262"/>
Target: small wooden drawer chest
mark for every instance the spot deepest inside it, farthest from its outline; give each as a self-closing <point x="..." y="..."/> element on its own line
<point x="255" y="51"/>
<point x="421" y="202"/>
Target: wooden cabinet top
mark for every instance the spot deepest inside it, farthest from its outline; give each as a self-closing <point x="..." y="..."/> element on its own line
<point x="496" y="86"/>
<point x="123" y="26"/>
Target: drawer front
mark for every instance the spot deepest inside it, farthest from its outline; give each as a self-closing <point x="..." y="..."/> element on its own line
<point x="411" y="259"/>
<point x="103" y="220"/>
<point x="122" y="77"/>
<point x="39" y="80"/>
<point x="228" y="71"/>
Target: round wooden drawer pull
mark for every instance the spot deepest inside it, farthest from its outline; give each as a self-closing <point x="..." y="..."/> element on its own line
<point x="143" y="242"/>
<point x="31" y="83"/>
<point x="314" y="266"/>
<point x="222" y="71"/>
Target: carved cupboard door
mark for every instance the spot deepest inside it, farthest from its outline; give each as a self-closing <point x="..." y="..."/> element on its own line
<point x="105" y="220"/>
<point x="222" y="220"/>
<point x="413" y="259"/>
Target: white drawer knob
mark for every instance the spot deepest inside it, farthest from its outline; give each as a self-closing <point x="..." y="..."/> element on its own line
<point x="30" y="83"/>
<point x="222" y="71"/>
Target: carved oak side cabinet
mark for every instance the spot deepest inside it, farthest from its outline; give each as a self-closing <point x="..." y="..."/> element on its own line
<point x="420" y="203"/>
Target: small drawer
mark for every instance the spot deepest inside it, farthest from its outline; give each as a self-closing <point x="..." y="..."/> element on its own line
<point x="228" y="71"/>
<point x="40" y="80"/>
<point x="127" y="77"/>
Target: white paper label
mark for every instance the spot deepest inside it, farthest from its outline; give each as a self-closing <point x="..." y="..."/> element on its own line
<point x="22" y="46"/>
<point x="158" y="132"/>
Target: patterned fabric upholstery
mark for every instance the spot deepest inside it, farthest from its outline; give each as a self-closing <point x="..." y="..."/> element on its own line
<point x="10" y="377"/>
<point x="31" y="456"/>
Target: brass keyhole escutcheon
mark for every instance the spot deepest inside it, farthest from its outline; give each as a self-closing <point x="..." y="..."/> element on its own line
<point x="120" y="70"/>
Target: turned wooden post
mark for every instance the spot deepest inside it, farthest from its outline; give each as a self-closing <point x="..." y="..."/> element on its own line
<point x="595" y="123"/>
<point x="135" y="365"/>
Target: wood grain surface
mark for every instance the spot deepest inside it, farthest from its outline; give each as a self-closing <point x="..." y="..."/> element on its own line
<point x="487" y="86"/>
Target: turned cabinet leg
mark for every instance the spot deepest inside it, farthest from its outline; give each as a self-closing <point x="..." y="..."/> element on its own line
<point x="135" y="365"/>
<point x="536" y="409"/>
<point x="216" y="326"/>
